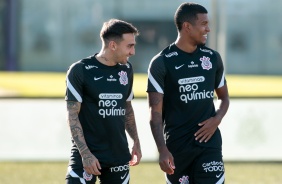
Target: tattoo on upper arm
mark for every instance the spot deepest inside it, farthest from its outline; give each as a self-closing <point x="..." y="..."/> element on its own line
<point x="155" y="103"/>
<point x="73" y="105"/>
<point x="154" y="98"/>
<point x="73" y="109"/>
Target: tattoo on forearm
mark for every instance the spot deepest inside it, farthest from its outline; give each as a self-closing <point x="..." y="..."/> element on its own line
<point x="77" y="134"/>
<point x="73" y="109"/>
<point x="157" y="129"/>
<point x="156" y="120"/>
<point x="87" y="157"/>
<point x="130" y="124"/>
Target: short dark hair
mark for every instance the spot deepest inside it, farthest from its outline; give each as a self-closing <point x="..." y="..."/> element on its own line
<point x="187" y="12"/>
<point x="114" y="29"/>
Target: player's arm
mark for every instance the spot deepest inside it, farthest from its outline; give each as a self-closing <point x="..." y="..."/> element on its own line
<point x="210" y="125"/>
<point x="223" y="98"/>
<point x="90" y="162"/>
<point x="131" y="128"/>
<point x="156" y="122"/>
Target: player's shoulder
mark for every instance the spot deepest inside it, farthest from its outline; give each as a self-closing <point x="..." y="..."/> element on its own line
<point x="83" y="64"/>
<point x="205" y="49"/>
<point x="166" y="53"/>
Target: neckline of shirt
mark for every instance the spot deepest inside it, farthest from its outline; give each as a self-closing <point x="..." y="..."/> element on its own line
<point x="101" y="65"/>
<point x="182" y="51"/>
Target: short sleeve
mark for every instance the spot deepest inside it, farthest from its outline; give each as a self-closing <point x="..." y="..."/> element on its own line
<point x="156" y="75"/>
<point x="220" y="76"/>
<point x="130" y="77"/>
<point x="74" y="83"/>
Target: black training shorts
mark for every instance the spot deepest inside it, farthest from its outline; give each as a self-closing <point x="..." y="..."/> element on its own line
<point x="116" y="175"/>
<point x="198" y="166"/>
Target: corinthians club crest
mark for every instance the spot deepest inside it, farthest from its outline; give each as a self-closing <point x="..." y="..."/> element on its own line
<point x="206" y="63"/>
<point x="123" y="78"/>
<point x="87" y="176"/>
<point x="184" y="180"/>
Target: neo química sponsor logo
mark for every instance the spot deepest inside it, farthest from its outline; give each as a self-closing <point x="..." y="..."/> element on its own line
<point x="108" y="105"/>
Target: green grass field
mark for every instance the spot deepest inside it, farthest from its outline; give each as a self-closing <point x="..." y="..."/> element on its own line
<point x="145" y="173"/>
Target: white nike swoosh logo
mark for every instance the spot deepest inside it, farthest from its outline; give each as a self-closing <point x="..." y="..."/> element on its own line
<point x="98" y="78"/>
<point x="177" y="67"/>
<point x="123" y="176"/>
<point x="218" y="175"/>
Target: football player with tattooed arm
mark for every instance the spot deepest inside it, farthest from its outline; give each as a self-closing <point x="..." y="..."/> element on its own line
<point x="99" y="110"/>
<point x="182" y="80"/>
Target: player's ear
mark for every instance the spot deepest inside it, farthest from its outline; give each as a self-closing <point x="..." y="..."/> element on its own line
<point x="112" y="45"/>
<point x="186" y="26"/>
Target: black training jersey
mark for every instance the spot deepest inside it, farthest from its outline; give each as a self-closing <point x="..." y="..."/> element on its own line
<point x="188" y="81"/>
<point x="102" y="91"/>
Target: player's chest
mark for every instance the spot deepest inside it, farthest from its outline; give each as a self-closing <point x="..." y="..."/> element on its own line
<point x="101" y="81"/>
<point x="189" y="68"/>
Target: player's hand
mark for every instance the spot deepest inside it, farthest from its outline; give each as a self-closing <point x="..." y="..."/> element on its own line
<point x="91" y="164"/>
<point x="136" y="154"/>
<point x="166" y="161"/>
<point x="208" y="127"/>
